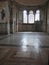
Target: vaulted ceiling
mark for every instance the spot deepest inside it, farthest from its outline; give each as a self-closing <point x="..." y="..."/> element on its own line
<point x="31" y="2"/>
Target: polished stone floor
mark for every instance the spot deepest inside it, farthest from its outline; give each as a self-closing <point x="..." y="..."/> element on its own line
<point x="25" y="48"/>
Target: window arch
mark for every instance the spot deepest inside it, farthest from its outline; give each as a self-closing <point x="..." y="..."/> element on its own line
<point x="31" y="17"/>
<point x="24" y="16"/>
<point x="37" y="15"/>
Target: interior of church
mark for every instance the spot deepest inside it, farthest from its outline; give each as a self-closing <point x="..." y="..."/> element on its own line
<point x="24" y="32"/>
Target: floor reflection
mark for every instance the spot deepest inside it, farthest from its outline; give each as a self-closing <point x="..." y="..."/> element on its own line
<point x="24" y="48"/>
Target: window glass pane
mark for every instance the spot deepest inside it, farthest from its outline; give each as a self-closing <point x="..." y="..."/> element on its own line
<point x="24" y="16"/>
<point x="31" y="17"/>
<point x="37" y="15"/>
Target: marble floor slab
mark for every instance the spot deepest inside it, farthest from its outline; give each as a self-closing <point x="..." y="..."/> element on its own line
<point x="25" y="48"/>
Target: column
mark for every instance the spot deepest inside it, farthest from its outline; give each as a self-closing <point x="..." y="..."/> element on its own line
<point x="11" y="15"/>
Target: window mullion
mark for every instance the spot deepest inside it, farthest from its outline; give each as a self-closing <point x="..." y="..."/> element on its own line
<point x="27" y="16"/>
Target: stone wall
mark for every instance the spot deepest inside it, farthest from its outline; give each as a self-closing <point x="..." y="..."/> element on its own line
<point x="17" y="19"/>
<point x="5" y="24"/>
<point x="31" y="27"/>
<point x="4" y="27"/>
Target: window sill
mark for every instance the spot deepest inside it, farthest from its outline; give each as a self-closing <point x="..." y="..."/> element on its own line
<point x="28" y="23"/>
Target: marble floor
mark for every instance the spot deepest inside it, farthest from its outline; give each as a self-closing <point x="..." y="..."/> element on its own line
<point x="25" y="48"/>
<point x="4" y="36"/>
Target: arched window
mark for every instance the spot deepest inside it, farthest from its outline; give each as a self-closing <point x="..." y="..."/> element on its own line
<point x="37" y="15"/>
<point x="24" y="16"/>
<point x="31" y="17"/>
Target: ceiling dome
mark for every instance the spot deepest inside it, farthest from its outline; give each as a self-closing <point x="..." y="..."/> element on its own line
<point x="31" y="2"/>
